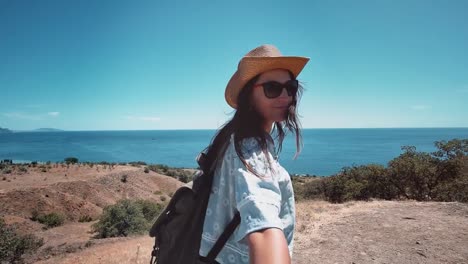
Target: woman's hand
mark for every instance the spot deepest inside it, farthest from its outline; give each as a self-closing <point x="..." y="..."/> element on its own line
<point x="268" y="246"/>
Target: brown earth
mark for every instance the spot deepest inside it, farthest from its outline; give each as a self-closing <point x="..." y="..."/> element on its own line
<point x="354" y="232"/>
<point x="74" y="191"/>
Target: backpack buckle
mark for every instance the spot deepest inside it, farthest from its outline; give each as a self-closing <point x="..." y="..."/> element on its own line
<point x="154" y="254"/>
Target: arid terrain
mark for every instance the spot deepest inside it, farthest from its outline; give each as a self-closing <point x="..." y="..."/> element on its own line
<point x="353" y="232"/>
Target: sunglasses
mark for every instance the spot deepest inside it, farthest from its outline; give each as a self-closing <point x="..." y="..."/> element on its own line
<point x="273" y="89"/>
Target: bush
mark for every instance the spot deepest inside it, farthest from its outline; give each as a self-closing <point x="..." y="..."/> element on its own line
<point x="49" y="220"/>
<point x="124" y="178"/>
<point x="71" y="160"/>
<point x="13" y="246"/>
<point x="137" y="163"/>
<point x="149" y="209"/>
<point x="146" y="170"/>
<point x="122" y="219"/>
<point x="159" y="168"/>
<point x="334" y="189"/>
<point x="354" y="183"/>
<point x="306" y="187"/>
<point x="179" y="174"/>
<point x="85" y="218"/>
<point x="411" y="173"/>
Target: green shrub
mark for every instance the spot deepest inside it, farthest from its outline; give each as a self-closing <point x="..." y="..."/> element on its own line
<point x="179" y="174"/>
<point x="411" y="173"/>
<point x="123" y="178"/>
<point x="335" y="189"/>
<point x="71" y="160"/>
<point x="137" y="163"/>
<point x="122" y="219"/>
<point x="353" y="183"/>
<point x="13" y="246"/>
<point x="159" y="168"/>
<point x="441" y="176"/>
<point x="149" y="209"/>
<point x="88" y="243"/>
<point x="184" y="176"/>
<point x="306" y="187"/>
<point x="85" y="218"/>
<point x="49" y="220"/>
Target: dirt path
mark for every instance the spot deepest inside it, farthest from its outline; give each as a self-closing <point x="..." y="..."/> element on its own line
<point x="382" y="232"/>
<point x="357" y="232"/>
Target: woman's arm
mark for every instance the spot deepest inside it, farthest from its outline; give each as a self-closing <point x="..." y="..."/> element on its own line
<point x="268" y="246"/>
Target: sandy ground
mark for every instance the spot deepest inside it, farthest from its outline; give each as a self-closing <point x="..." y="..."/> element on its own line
<point x="354" y="232"/>
<point x="35" y="177"/>
<point x="382" y="232"/>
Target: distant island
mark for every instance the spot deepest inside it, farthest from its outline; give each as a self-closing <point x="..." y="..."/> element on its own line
<point x="5" y="130"/>
<point x="47" y="130"/>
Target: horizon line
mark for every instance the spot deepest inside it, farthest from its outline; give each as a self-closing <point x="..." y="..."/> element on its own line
<point x="175" y="129"/>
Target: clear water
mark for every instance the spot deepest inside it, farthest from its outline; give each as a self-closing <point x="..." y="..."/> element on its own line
<point x="325" y="151"/>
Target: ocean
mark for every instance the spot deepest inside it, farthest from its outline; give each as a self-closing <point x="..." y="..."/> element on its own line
<point x="325" y="151"/>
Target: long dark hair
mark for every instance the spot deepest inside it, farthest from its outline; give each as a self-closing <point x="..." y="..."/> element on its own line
<point x="247" y="123"/>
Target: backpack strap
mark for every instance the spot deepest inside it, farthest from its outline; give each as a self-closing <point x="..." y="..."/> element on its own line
<point x="210" y="258"/>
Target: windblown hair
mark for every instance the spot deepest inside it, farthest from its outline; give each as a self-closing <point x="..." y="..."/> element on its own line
<point x="248" y="123"/>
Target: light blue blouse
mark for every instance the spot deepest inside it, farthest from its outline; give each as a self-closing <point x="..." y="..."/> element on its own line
<point x="266" y="202"/>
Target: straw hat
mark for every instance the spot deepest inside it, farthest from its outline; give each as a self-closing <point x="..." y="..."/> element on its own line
<point x="258" y="60"/>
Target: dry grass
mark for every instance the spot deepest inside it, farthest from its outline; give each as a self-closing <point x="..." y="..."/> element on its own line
<point x="125" y="250"/>
<point x="359" y="232"/>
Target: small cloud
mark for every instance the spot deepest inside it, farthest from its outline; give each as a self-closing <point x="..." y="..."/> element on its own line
<point x="420" y="107"/>
<point x="53" y="113"/>
<point x="144" y="118"/>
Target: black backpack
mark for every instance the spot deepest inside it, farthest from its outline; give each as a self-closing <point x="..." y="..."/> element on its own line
<point x="178" y="229"/>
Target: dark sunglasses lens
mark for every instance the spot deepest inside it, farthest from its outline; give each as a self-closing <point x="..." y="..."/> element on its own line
<point x="272" y="89"/>
<point x="292" y="86"/>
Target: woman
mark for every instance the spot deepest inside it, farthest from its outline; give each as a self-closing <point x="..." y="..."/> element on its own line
<point x="248" y="178"/>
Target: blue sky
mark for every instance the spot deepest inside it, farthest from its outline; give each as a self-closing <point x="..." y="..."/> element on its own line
<point x="130" y="65"/>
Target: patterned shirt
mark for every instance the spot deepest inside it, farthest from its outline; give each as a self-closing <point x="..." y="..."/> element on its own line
<point x="266" y="202"/>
